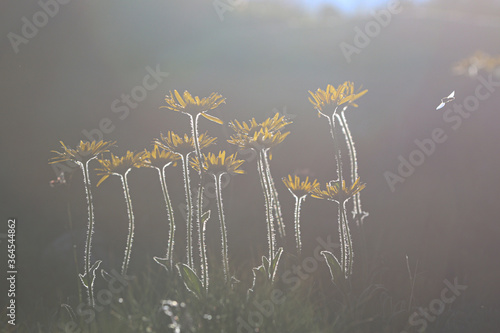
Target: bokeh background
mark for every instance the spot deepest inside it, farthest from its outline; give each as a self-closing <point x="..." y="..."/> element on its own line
<point x="264" y="57"/>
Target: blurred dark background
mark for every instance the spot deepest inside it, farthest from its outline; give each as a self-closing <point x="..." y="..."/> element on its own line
<point x="264" y="57"/>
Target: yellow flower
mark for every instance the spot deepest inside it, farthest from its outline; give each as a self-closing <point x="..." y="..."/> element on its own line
<point x="84" y="151"/>
<point x="216" y="165"/>
<point x="479" y="60"/>
<point x="298" y="188"/>
<point x="245" y="128"/>
<point x="119" y="166"/>
<point x="276" y="123"/>
<point x="194" y="106"/>
<point x="333" y="191"/>
<point x="158" y="159"/>
<point x="272" y="124"/>
<point x="182" y="146"/>
<point x="259" y="136"/>
<point x="263" y="139"/>
<point x="343" y="95"/>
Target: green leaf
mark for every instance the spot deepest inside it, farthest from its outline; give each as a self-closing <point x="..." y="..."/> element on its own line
<point x="369" y="293"/>
<point x="84" y="278"/>
<point x="336" y="271"/>
<point x="191" y="280"/>
<point x="164" y="262"/>
<point x="204" y="217"/>
<point x="265" y="264"/>
<point x="274" y="264"/>
<point x="260" y="277"/>
<point x="70" y="311"/>
<point x="106" y="276"/>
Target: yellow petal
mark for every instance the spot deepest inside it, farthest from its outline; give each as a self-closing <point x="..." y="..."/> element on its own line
<point x="212" y="118"/>
<point x="102" y="179"/>
<point x="189" y="99"/>
<point x="179" y="98"/>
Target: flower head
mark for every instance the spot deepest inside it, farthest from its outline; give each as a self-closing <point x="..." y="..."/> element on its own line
<point x="298" y="188"/>
<point x="243" y="127"/>
<point x="84" y="151"/>
<point x="333" y="98"/>
<point x="267" y="139"/>
<point x="259" y="136"/>
<point x="216" y="165"/>
<point x="333" y="192"/>
<point x="273" y="124"/>
<point x="194" y="106"/>
<point x="182" y="146"/>
<point x="119" y="166"/>
<point x="472" y="65"/>
<point x="263" y="139"/>
<point x="157" y="158"/>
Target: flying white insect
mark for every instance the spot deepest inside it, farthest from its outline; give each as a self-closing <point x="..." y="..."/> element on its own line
<point x="445" y="100"/>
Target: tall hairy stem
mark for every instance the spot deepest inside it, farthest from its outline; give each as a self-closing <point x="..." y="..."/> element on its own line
<point x="274" y="197"/>
<point x="336" y="147"/>
<point x="269" y="214"/>
<point x="223" y="231"/>
<point x="203" y="253"/>
<point x="348" y="254"/>
<point x="90" y="232"/>
<point x="131" y="226"/>
<point x="343" y="250"/>
<point x="199" y="214"/>
<point x="358" y="212"/>
<point x="199" y="206"/>
<point x="189" y="219"/>
<point x="170" y="212"/>
<point x="194" y="132"/>
<point x="298" y="242"/>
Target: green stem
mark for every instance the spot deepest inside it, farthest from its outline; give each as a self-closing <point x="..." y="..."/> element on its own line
<point x="203" y="255"/>
<point x="269" y="214"/>
<point x="358" y="213"/>
<point x="189" y="222"/>
<point x="194" y="132"/>
<point x="131" y="226"/>
<point x="350" y="253"/>
<point x="342" y="239"/>
<point x="338" y="159"/>
<point x="170" y="212"/>
<point x="274" y="197"/>
<point x="90" y="232"/>
<point x="199" y="208"/>
<point x="199" y="211"/>
<point x="298" y="242"/>
<point x="218" y="191"/>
